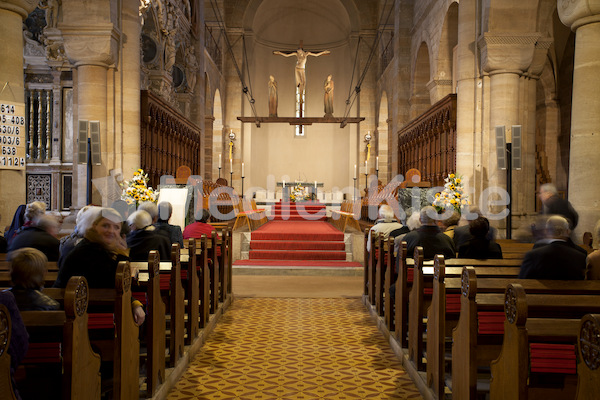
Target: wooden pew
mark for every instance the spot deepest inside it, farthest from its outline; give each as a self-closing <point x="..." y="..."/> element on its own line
<point x="514" y="371"/>
<point x="444" y="308"/>
<point x="340" y="218"/>
<point x="588" y="385"/>
<point x="511" y="249"/>
<point x="52" y="266"/>
<point x="477" y="344"/>
<point x="175" y="300"/>
<point x="80" y="365"/>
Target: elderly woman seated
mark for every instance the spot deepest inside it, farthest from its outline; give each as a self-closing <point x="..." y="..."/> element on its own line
<point x="98" y="254"/>
<point x="386" y="225"/>
<point x="144" y="237"/>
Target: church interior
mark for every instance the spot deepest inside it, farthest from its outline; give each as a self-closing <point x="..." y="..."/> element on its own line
<point x="268" y="112"/>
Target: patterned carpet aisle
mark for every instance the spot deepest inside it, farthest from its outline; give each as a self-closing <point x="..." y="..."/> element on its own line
<point x="274" y="348"/>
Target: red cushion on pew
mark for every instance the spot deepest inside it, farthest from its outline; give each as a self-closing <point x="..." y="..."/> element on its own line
<point x="410" y="273"/>
<point x="428" y="291"/>
<point x="453" y="303"/>
<point x="43" y="353"/>
<point x="165" y="282"/>
<point x="101" y="321"/>
<point x="491" y="322"/>
<point x="553" y="358"/>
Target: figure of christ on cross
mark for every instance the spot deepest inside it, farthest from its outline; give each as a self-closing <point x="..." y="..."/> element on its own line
<point x="301" y="56"/>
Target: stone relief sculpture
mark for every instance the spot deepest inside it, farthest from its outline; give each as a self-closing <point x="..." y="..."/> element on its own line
<point x="52" y="7"/>
<point x="328" y="86"/>
<point x="272" y="96"/>
<point x="191" y="67"/>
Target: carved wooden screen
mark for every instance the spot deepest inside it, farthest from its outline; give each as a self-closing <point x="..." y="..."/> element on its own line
<point x="428" y="143"/>
<point x="169" y="140"/>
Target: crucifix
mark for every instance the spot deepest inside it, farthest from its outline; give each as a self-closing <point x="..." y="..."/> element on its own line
<point x="300" y="72"/>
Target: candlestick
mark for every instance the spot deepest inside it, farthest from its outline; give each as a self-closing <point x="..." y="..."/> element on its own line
<point x="242" y="185"/>
<point x="231" y="164"/>
<point x="354" y="191"/>
<point x="283" y="183"/>
<point x="243" y="170"/>
<point x="366" y="184"/>
<point x="219" y="160"/>
<point x="231" y="178"/>
<point x="315" y="184"/>
<point x="366" y="166"/>
<point x="377" y="163"/>
<point x="354" y="171"/>
<point x="219" y="170"/>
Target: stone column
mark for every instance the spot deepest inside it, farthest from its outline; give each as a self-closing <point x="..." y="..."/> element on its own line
<point x="467" y="109"/>
<point x="91" y="43"/>
<point x="505" y="57"/>
<point x="12" y="13"/>
<point x="130" y="135"/>
<point x="583" y="16"/>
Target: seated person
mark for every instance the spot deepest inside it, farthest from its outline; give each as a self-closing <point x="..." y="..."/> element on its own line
<point x="430" y="237"/>
<point x="19" y="338"/>
<point x="200" y="227"/>
<point x="556" y="259"/>
<point x="480" y="246"/>
<point x="41" y="235"/>
<point x="144" y="237"/>
<point x="412" y="223"/>
<point x="68" y="243"/>
<point x="97" y="256"/>
<point x="447" y="225"/>
<point x="385" y="225"/>
<point x="593" y="259"/>
<point x="462" y="234"/>
<point x="173" y="232"/>
<point x="27" y="271"/>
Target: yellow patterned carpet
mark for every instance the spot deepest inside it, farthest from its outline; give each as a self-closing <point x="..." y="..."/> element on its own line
<point x="295" y="348"/>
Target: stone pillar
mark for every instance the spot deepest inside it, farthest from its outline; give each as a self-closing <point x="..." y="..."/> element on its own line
<point x="130" y="135"/>
<point x="91" y="44"/>
<point x="583" y="16"/>
<point x="467" y="109"/>
<point x="505" y="57"/>
<point x="12" y="13"/>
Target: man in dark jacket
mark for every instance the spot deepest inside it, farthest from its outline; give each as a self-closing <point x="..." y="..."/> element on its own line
<point x="553" y="204"/>
<point x="430" y="237"/>
<point x="144" y="237"/>
<point x="173" y="232"/>
<point x="557" y="259"/>
<point x="40" y="235"/>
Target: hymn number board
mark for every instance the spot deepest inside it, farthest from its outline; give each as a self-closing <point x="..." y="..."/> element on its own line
<point x="12" y="136"/>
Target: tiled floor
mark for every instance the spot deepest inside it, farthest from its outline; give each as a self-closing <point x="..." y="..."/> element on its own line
<point x="295" y="348"/>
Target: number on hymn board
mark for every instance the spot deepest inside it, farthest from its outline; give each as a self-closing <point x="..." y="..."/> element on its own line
<point x="7" y="108"/>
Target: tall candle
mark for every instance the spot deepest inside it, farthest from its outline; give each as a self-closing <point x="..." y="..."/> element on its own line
<point x="315" y="184"/>
<point x="243" y="170"/>
<point x="230" y="164"/>
<point x="283" y="184"/>
<point x="354" y="171"/>
<point x="366" y="167"/>
<point x="377" y="163"/>
<point x="219" y="160"/>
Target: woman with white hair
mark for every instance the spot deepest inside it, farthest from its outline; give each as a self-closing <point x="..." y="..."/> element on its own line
<point x="97" y="255"/>
<point x="68" y="243"/>
<point x="385" y="225"/>
<point x="144" y="237"/>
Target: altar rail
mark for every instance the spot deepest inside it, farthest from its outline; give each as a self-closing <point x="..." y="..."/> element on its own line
<point x="168" y="139"/>
<point x="428" y="143"/>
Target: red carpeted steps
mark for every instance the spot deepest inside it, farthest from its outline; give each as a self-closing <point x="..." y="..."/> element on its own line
<point x="293" y="240"/>
<point x="301" y="211"/>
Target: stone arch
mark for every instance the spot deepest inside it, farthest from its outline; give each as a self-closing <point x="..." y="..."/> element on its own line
<point x="443" y="82"/>
<point x="383" y="139"/>
<point x="420" y="99"/>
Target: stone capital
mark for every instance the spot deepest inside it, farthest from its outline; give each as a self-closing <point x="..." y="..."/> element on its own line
<point x="575" y="13"/>
<point x="91" y="44"/>
<point x="21" y="7"/>
<point x="540" y="55"/>
<point x="507" y="52"/>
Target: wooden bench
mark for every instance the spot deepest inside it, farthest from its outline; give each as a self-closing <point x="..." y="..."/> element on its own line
<point x="444" y="308"/>
<point x="344" y="216"/>
<point x="60" y="339"/>
<point x="534" y="346"/>
<point x="511" y="249"/>
<point x="52" y="266"/>
<point x="478" y="335"/>
<point x="588" y="373"/>
<point x="249" y="214"/>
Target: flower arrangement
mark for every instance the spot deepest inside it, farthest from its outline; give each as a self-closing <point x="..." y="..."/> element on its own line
<point x="453" y="196"/>
<point x="298" y="193"/>
<point x="136" y="190"/>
